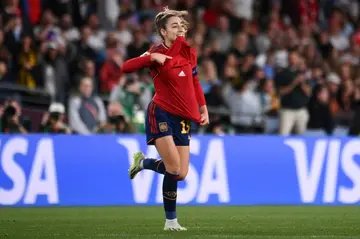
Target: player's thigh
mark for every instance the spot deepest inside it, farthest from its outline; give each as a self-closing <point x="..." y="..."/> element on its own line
<point x="181" y="133"/>
<point x="169" y="154"/>
<point x="181" y="129"/>
<point x="157" y="124"/>
<point x="184" y="153"/>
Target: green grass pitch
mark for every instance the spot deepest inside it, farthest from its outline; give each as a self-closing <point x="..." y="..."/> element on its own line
<point x="202" y="222"/>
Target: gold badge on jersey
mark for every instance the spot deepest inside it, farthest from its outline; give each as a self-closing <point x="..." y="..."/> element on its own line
<point x="163" y="127"/>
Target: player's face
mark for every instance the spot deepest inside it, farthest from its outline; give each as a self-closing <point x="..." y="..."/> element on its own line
<point x="175" y="27"/>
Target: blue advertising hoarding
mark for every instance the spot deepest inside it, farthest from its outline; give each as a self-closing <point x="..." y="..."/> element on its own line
<point x="46" y="170"/>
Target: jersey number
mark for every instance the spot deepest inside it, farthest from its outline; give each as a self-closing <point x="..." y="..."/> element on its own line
<point x="185" y="126"/>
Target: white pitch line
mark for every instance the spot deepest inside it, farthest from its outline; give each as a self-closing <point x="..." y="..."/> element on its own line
<point x="233" y="236"/>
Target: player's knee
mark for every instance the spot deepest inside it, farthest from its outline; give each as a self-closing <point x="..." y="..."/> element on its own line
<point x="182" y="176"/>
<point x="173" y="169"/>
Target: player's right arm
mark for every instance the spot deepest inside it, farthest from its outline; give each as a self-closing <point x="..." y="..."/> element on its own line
<point x="144" y="61"/>
<point x="137" y="63"/>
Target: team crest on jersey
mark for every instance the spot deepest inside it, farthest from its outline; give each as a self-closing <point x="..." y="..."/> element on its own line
<point x="163" y="127"/>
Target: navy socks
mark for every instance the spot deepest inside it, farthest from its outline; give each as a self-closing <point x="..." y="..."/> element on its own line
<point x="154" y="165"/>
<point x="170" y="195"/>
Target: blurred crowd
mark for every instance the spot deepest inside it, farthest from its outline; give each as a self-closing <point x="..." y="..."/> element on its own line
<point x="265" y="66"/>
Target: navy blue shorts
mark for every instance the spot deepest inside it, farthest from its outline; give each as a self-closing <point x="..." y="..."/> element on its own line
<point x="159" y="123"/>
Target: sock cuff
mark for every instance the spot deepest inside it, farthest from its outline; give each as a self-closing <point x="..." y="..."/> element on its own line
<point x="172" y="176"/>
<point x="170" y="215"/>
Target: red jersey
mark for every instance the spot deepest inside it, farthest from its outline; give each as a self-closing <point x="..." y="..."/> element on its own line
<point x="177" y="87"/>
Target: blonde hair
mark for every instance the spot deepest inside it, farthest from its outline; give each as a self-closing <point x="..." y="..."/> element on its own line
<point x="163" y="16"/>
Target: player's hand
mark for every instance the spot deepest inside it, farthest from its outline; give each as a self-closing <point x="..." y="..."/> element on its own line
<point x="204" y="117"/>
<point x="159" y="58"/>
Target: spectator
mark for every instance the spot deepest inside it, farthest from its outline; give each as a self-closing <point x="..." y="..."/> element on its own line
<point x="47" y="30"/>
<point x="13" y="34"/>
<point x="110" y="73"/>
<point x="230" y="69"/>
<point x="346" y="95"/>
<point x="324" y="45"/>
<point x="10" y="121"/>
<point x="263" y="41"/>
<point x="123" y="34"/>
<point x="248" y="67"/>
<point x="84" y="49"/>
<point x="311" y="55"/>
<point x="240" y="46"/>
<point x="128" y="95"/>
<point x="4" y="52"/>
<point x="108" y="12"/>
<point x="10" y="8"/>
<point x="347" y="103"/>
<point x="321" y="120"/>
<point x="147" y="29"/>
<point x="354" y="129"/>
<point x="222" y="33"/>
<point x="81" y="10"/>
<point x="55" y="73"/>
<point x="27" y="62"/>
<point x="243" y="8"/>
<point x="266" y="61"/>
<point x="353" y="55"/>
<point x="213" y="51"/>
<point x="336" y="26"/>
<point x="281" y="53"/>
<point x="316" y="75"/>
<point x="246" y="110"/>
<point x="87" y="70"/>
<point x="117" y="122"/>
<point x="268" y="93"/>
<point x="294" y="94"/>
<point x="5" y="75"/>
<point x="138" y="46"/>
<point x="269" y="96"/>
<point x="58" y="7"/>
<point x="208" y="75"/>
<point x="346" y="73"/>
<point x="333" y="81"/>
<point x="97" y="36"/>
<point x="211" y="13"/>
<point x="70" y="32"/>
<point x="86" y="110"/>
<point x="53" y="120"/>
<point x="216" y="128"/>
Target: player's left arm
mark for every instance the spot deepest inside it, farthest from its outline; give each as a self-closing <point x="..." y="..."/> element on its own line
<point x="199" y="92"/>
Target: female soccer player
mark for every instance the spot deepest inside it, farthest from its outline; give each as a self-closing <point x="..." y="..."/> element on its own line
<point x="178" y="100"/>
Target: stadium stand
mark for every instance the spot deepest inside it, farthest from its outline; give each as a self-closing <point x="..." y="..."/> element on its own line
<point x="248" y="52"/>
